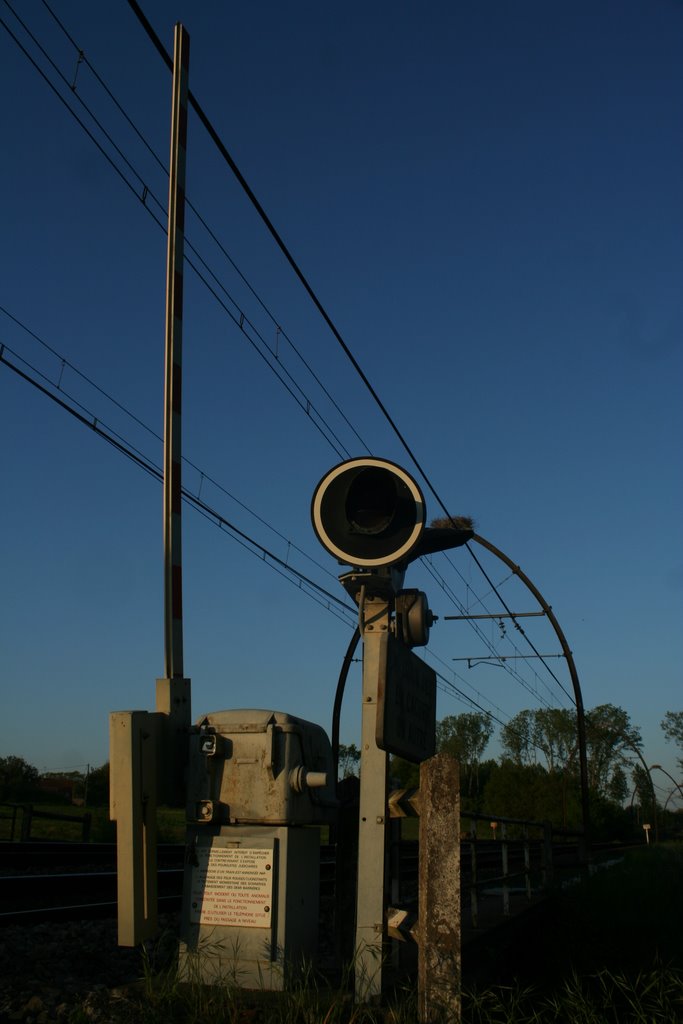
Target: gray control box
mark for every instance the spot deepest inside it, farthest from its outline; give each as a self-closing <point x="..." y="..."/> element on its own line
<point x="260" y="767"/>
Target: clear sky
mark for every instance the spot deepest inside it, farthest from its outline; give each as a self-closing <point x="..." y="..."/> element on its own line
<point x="486" y="197"/>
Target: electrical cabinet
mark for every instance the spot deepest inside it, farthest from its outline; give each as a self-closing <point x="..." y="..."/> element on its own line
<point x="259" y="782"/>
<point x="260" y="767"/>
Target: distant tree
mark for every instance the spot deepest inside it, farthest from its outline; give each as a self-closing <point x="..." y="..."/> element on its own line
<point x="612" y="742"/>
<point x="617" y="788"/>
<point x="547" y="731"/>
<point x="554" y="732"/>
<point x="465" y="737"/>
<point x="98" y="786"/>
<point x="672" y="724"/>
<point x="18" y="779"/>
<point x="517" y="740"/>
<point x="551" y="734"/>
<point x="531" y="792"/>
<point x="349" y="760"/>
<point x="643" y="796"/>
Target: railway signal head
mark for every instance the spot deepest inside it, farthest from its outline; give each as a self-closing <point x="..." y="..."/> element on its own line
<point x="368" y="513"/>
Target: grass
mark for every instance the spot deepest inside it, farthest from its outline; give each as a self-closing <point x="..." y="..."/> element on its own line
<point x="44" y="828"/>
<point x="653" y="996"/>
<point x="170" y="824"/>
<point x="624" y="918"/>
<point x="608" y="950"/>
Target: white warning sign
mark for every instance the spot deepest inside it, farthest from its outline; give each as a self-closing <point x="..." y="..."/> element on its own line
<point x="232" y="886"/>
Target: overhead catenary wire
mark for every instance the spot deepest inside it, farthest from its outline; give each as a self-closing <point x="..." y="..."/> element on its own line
<point x="239" y="319"/>
<point x="517" y="625"/>
<point x="494" y="589"/>
<point x="240" y="325"/>
<point x="431" y="656"/>
<point x="213" y="134"/>
<point x="511" y="670"/>
<point x="313" y="591"/>
<point x="332" y="602"/>
<point x="64" y="362"/>
<point x="281" y="330"/>
<point x="452" y="690"/>
<point x="204" y="476"/>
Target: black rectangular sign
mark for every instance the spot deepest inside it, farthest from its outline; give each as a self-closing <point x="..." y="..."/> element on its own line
<point x="406" y="705"/>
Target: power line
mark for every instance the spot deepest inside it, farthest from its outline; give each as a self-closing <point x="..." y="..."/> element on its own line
<point x="511" y="670"/>
<point x="517" y="626"/>
<point x="269" y="557"/>
<point x="278" y="564"/>
<point x="240" y="320"/>
<point x="307" y="407"/>
<point x="213" y="134"/>
<point x="82" y="56"/>
<point x="247" y="542"/>
<point x="200" y="506"/>
<point x="494" y="589"/>
<point x="276" y="323"/>
<point x="203" y="475"/>
<point x="428" y="653"/>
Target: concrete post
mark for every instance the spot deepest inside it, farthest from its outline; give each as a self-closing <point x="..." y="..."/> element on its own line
<point x="439" y="955"/>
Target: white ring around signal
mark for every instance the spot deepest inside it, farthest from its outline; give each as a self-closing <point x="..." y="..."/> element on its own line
<point x="368" y="463"/>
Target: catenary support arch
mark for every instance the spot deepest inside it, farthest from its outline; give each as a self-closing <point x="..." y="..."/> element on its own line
<point x="578" y="697"/>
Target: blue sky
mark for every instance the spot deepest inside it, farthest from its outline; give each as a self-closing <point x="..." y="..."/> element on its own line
<point x="486" y="198"/>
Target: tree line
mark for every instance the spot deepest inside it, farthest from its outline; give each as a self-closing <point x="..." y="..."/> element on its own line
<point x="21" y="782"/>
<point x="537" y="775"/>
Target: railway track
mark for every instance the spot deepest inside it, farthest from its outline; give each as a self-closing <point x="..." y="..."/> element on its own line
<point x="71" y="881"/>
<point x="45" y="881"/>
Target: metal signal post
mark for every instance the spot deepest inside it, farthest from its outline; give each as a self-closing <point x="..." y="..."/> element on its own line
<point x="370" y="514"/>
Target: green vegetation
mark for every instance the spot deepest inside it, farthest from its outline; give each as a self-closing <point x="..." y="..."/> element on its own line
<point x="625" y="918"/>
<point x="672" y="726"/>
<point x="170" y="824"/>
<point x="652" y="997"/>
<point x="57" y="830"/>
<point x="18" y="779"/>
<point x="537" y="775"/>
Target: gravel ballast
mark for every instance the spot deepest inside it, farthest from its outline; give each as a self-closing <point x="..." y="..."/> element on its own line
<point x="51" y="971"/>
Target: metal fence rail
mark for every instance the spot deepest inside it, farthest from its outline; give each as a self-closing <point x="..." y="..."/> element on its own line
<point x="22" y="816"/>
<point x="510" y="860"/>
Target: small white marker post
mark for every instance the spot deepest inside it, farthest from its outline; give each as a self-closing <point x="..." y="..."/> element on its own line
<point x="646" y="829"/>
